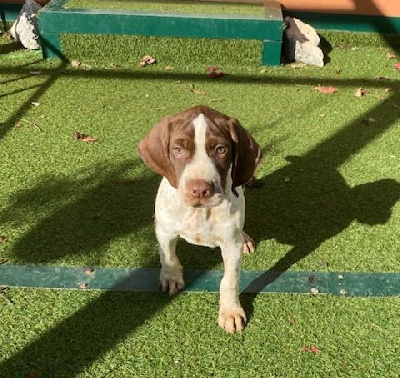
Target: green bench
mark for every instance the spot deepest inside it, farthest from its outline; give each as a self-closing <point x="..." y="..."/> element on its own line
<point x="56" y="19"/>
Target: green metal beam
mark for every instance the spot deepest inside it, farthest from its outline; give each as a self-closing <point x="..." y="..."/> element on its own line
<point x="159" y="24"/>
<point x="146" y="280"/>
<point x="9" y="12"/>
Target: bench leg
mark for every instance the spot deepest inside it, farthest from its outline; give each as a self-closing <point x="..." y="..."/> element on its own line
<point x="271" y="54"/>
<point x="51" y="46"/>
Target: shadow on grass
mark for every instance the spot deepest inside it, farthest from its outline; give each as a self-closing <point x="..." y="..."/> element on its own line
<point x="308" y="201"/>
<point x="315" y="205"/>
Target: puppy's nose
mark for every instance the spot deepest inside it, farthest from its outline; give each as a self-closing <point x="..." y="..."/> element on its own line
<point x="200" y="188"/>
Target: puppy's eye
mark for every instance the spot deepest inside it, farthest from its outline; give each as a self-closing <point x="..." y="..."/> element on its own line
<point x="220" y="150"/>
<point x="178" y="151"/>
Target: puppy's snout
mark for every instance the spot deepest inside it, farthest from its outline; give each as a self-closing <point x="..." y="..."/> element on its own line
<point x="200" y="189"/>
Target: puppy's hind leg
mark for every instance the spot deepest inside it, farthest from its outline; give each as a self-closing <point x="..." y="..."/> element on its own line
<point x="249" y="245"/>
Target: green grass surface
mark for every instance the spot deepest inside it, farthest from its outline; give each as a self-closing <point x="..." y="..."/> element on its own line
<point x="92" y="334"/>
<point x="329" y="203"/>
<point x="169" y="6"/>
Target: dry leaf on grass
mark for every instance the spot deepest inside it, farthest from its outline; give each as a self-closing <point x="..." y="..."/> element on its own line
<point x="75" y="63"/>
<point x="326" y="90"/>
<point x="296" y="66"/>
<point x="214" y="72"/>
<point x="313" y="349"/>
<point x="34" y="103"/>
<point x="2" y="238"/>
<point x="192" y="89"/>
<point x="169" y="68"/>
<point x="360" y="92"/>
<point x="390" y="55"/>
<point x="146" y="60"/>
<point x="84" y="138"/>
<point x="78" y="64"/>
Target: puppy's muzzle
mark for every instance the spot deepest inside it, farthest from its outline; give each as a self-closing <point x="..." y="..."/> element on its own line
<point x="199" y="192"/>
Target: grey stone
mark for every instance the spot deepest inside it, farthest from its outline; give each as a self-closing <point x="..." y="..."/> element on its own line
<point x="25" y="28"/>
<point x="301" y="43"/>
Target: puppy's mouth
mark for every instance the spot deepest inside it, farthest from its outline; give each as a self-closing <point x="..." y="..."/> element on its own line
<point x="199" y="203"/>
<point x="200" y="193"/>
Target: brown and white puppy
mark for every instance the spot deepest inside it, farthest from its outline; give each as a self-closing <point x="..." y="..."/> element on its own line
<point x="204" y="157"/>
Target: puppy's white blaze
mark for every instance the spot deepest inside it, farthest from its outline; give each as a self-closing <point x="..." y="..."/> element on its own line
<point x="200" y="128"/>
<point x="201" y="166"/>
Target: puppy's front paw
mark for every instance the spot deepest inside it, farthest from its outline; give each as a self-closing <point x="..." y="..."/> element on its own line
<point x="171" y="283"/>
<point x="232" y="319"/>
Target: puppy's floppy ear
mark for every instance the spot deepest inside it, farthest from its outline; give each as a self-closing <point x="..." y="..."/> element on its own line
<point x="246" y="154"/>
<point x="154" y="150"/>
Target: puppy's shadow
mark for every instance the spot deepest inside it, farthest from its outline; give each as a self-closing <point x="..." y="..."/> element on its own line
<point x="306" y="203"/>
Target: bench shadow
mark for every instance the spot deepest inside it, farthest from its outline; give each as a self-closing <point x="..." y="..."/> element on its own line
<point x="106" y="205"/>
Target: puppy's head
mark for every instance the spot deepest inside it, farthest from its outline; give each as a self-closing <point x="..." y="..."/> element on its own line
<point x="202" y="153"/>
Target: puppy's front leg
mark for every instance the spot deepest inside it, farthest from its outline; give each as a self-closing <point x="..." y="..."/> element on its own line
<point x="171" y="277"/>
<point x="231" y="314"/>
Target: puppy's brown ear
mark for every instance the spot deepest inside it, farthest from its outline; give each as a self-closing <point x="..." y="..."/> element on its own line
<point x="246" y="157"/>
<point x="154" y="150"/>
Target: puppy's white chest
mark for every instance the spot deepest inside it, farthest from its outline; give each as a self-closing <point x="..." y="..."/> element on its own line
<point x="208" y="227"/>
<point x="202" y="227"/>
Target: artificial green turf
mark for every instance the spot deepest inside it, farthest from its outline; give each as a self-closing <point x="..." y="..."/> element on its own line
<point x="94" y="334"/>
<point x="170" y="6"/>
<point x="329" y="203"/>
<point x="64" y="201"/>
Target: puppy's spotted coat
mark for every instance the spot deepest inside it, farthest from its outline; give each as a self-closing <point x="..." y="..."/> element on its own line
<point x="204" y="157"/>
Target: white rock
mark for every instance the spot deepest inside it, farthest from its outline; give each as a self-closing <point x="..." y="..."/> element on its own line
<point x="301" y="43"/>
<point x="25" y="28"/>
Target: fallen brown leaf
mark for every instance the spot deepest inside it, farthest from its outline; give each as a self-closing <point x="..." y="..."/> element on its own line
<point x="326" y="90"/>
<point x="360" y="92"/>
<point x="146" y="60"/>
<point x="83" y="285"/>
<point x="169" y="68"/>
<point x="314" y="349"/>
<point x="2" y="238"/>
<point x="86" y="67"/>
<point x="214" y="72"/>
<point x="297" y="65"/>
<point x="192" y="89"/>
<point x="75" y="63"/>
<point x="390" y="55"/>
<point x="83" y="137"/>
<point x="88" y="139"/>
